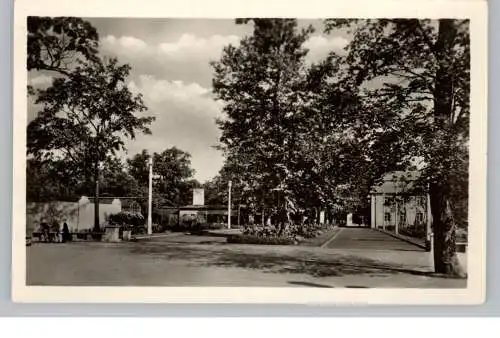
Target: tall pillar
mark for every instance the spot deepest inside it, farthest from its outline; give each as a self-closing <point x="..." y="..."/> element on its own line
<point x="396" y="219"/>
<point x="373" y="212"/>
<point x="383" y="211"/>
<point x="150" y="197"/>
<point x="428" y="218"/>
<point x="229" y="206"/>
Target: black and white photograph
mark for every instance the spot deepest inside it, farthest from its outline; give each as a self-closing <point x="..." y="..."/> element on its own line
<point x="328" y="153"/>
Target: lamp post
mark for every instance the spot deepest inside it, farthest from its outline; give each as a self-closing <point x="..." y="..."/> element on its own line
<point x="229" y="206"/>
<point x="150" y="196"/>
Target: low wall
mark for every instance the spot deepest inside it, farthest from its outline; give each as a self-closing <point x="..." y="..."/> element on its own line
<point x="78" y="215"/>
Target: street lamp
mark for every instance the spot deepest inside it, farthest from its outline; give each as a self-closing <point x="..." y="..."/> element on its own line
<point x="229" y="205"/>
<point x="150" y="196"/>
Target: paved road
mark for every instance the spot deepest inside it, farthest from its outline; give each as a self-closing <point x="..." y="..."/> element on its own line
<point x="365" y="238"/>
<point x="182" y="260"/>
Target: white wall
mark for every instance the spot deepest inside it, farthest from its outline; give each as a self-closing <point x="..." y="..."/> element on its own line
<point x="412" y="208"/>
<point x="78" y="215"/>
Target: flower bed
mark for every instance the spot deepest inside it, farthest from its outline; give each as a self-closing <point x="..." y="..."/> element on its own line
<point x="275" y="235"/>
<point x="198" y="227"/>
<point x="252" y="239"/>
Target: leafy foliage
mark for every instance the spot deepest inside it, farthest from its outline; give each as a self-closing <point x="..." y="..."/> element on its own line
<point x="411" y="80"/>
<point x="56" y="180"/>
<point x="88" y="110"/>
<point x="126" y="218"/>
<point x="55" y="44"/>
<point x="172" y="170"/>
<point x="87" y="114"/>
<point x="260" y="84"/>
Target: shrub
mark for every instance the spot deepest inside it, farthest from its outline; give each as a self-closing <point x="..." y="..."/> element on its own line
<point x="252" y="239"/>
<point x="139" y="230"/>
<point x="126" y="218"/>
<point x="198" y="226"/>
<point x="310" y="230"/>
<point x="415" y="232"/>
<point x="97" y="236"/>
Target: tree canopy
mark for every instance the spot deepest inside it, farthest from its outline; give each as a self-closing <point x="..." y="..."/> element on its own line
<point x="397" y="99"/>
<point x="55" y="44"/>
<point x="88" y="111"/>
<point x="173" y="176"/>
<point x="412" y="83"/>
<point x="260" y="83"/>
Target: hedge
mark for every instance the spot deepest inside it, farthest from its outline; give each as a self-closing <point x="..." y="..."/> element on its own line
<point x="250" y="239"/>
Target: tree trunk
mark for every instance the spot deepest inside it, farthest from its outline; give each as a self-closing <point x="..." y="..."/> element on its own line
<point x="96" y="197"/>
<point x="444" y="227"/>
<point x="445" y="257"/>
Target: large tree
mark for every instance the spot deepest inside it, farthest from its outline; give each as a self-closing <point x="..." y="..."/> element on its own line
<point x="411" y="80"/>
<point x="173" y="176"/>
<point x="260" y="83"/>
<point x="85" y="117"/>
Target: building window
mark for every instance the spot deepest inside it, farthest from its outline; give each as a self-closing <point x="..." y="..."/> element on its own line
<point x="389" y="201"/>
<point x="402" y="217"/>
<point x="421" y="201"/>
<point x="387" y="217"/>
<point x="419" y="217"/>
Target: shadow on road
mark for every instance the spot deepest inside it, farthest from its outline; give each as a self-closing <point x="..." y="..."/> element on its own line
<point x="309" y="284"/>
<point x="299" y="262"/>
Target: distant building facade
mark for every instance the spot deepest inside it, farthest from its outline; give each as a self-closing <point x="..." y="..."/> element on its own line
<point x="397" y="205"/>
<point x="201" y="214"/>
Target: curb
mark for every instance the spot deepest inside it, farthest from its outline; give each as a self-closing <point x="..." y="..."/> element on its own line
<point x="153" y="236"/>
<point x="217" y="234"/>
<point x="403" y="238"/>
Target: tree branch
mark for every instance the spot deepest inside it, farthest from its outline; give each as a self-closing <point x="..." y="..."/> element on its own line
<point x="426" y="38"/>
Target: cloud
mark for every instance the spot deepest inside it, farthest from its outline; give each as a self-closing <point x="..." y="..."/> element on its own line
<point x="186" y="58"/>
<point x="175" y="78"/>
<point x="39" y="81"/>
<point x="319" y="46"/>
<point x="189" y="45"/>
<point x="185" y="117"/>
<point x="125" y="43"/>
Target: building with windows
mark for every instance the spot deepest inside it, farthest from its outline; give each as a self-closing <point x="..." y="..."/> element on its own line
<point x="201" y="214"/>
<point x="399" y="206"/>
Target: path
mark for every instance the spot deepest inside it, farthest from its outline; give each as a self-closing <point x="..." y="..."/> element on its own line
<point x="370" y="239"/>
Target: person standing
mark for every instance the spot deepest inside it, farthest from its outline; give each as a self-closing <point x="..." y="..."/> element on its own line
<point x="66" y="235"/>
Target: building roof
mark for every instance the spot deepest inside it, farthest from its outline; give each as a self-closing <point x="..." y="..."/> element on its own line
<point x="397" y="182"/>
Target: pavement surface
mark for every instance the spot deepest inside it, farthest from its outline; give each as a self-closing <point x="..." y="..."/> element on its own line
<point x="366" y="238"/>
<point x="183" y="260"/>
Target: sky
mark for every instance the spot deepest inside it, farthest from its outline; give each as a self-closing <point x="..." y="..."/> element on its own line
<point x="170" y="67"/>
